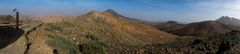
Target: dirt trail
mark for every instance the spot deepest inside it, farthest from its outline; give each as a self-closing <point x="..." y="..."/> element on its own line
<point x="38" y="40"/>
<point x="20" y="46"/>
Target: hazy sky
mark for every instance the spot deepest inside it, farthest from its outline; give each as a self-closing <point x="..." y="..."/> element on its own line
<point x="150" y="10"/>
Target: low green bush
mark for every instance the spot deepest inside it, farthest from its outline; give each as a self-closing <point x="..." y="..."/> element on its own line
<point x="226" y="44"/>
<point x="92" y="47"/>
<point x="53" y="27"/>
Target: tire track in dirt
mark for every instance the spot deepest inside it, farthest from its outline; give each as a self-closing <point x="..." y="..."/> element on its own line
<point x="29" y="30"/>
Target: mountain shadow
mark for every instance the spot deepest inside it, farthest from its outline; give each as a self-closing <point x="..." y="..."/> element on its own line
<point x="9" y="35"/>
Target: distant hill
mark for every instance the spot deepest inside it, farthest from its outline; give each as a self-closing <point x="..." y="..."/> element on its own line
<point x="169" y="26"/>
<point x="205" y="28"/>
<point x="6" y="19"/>
<point x="230" y="22"/>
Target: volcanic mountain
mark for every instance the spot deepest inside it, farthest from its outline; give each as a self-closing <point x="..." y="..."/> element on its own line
<point x="205" y="28"/>
<point x="230" y="22"/>
<point x="110" y="27"/>
<point x="123" y="30"/>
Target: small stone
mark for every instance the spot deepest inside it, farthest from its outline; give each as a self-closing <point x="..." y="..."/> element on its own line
<point x="77" y="43"/>
<point x="74" y="38"/>
<point x="109" y="44"/>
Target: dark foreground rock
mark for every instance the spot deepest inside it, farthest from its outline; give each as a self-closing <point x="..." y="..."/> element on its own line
<point x="227" y="43"/>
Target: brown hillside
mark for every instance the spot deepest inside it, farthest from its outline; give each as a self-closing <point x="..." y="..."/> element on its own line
<point x="204" y="28"/>
<point x="111" y="28"/>
<point x="6" y="19"/>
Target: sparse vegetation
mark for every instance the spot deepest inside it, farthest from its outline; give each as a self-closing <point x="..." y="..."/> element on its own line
<point x="53" y="27"/>
<point x="64" y="44"/>
<point x="92" y="47"/>
<point x="226" y="44"/>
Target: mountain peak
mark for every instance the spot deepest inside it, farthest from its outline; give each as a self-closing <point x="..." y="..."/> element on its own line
<point x="111" y="11"/>
<point x="93" y="13"/>
<point x="229" y="21"/>
<point x="108" y="11"/>
<point x="227" y="18"/>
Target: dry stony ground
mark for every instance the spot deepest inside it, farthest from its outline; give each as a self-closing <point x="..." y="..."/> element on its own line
<point x="198" y="45"/>
<point x="38" y="41"/>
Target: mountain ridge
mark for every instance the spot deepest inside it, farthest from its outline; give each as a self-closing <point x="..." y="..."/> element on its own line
<point x="109" y="26"/>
